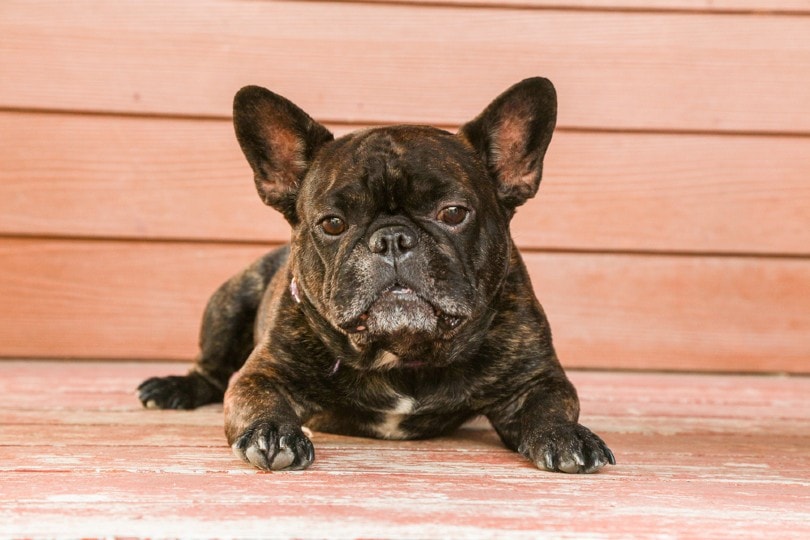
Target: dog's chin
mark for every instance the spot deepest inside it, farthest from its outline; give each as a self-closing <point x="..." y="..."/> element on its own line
<point x="399" y="319"/>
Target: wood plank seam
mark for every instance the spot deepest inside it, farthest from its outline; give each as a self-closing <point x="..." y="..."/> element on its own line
<point x="271" y="244"/>
<point x="348" y="125"/>
<point x="793" y="10"/>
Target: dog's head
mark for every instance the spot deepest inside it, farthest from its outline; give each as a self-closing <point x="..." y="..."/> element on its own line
<point x="400" y="235"/>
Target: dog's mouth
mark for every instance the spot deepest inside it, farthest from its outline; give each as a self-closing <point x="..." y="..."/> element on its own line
<point x="400" y="310"/>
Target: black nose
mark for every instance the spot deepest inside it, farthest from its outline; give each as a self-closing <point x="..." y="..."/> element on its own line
<point x="393" y="242"/>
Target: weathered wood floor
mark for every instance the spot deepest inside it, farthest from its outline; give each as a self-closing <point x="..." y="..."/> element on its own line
<point x="699" y="456"/>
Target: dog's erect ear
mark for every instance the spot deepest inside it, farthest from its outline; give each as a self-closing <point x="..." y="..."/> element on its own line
<point x="279" y="141"/>
<point x="512" y="135"/>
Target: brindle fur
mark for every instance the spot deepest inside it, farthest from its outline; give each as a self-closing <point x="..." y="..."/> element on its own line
<point x="307" y="359"/>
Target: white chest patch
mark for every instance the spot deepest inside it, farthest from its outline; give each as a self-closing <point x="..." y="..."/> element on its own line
<point x="385" y="360"/>
<point x="389" y="428"/>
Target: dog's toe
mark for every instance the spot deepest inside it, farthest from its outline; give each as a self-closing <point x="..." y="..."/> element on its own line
<point x="178" y="392"/>
<point x="175" y="392"/>
<point x="270" y="447"/>
<point x="568" y="448"/>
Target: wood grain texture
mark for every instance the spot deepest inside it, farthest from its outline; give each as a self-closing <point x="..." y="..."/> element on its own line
<point x="698" y="456"/>
<point x="411" y="63"/>
<point x="144" y="178"/>
<point x="683" y="313"/>
<point x="683" y="133"/>
<point x="700" y="6"/>
<point x="108" y="299"/>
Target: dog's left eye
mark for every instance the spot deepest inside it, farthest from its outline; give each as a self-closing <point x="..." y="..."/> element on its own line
<point x="453" y="215"/>
<point x="333" y="225"/>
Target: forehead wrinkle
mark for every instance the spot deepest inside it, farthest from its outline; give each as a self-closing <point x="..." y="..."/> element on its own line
<point x="383" y="169"/>
<point x="378" y="166"/>
<point x="332" y="171"/>
<point x="350" y="197"/>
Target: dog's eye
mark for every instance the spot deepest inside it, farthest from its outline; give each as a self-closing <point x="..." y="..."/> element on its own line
<point x="333" y="225"/>
<point x="453" y="215"/>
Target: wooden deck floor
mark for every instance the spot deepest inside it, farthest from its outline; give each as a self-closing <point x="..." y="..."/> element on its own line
<point x="699" y="456"/>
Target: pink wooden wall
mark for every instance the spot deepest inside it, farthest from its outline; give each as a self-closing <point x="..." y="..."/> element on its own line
<point x="672" y="228"/>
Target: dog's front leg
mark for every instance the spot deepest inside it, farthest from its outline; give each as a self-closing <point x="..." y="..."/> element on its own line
<point x="541" y="424"/>
<point x="263" y="423"/>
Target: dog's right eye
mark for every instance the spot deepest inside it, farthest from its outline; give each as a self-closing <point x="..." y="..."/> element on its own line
<point x="453" y="215"/>
<point x="333" y="225"/>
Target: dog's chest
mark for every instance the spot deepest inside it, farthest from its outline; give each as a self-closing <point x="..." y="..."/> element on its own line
<point x="415" y="415"/>
<point x="403" y="404"/>
<point x="390" y="424"/>
<point x="389" y="406"/>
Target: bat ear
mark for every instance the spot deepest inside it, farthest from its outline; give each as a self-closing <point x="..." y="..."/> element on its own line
<point x="279" y="141"/>
<point x="512" y="135"/>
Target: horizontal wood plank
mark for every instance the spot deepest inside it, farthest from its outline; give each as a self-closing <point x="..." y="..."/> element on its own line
<point x="141" y="300"/>
<point x="711" y="6"/>
<point x="109" y="299"/>
<point x="361" y="62"/>
<point x="684" y="313"/>
<point x="99" y="176"/>
<point x="119" y="177"/>
<point x="70" y="467"/>
<point x="410" y="504"/>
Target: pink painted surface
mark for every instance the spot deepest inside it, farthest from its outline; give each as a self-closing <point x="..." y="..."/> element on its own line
<point x="709" y="456"/>
<point x="671" y="230"/>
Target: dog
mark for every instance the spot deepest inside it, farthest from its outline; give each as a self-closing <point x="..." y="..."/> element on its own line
<point x="401" y="307"/>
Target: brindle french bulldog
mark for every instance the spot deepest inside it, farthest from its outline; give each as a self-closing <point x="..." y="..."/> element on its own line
<point x="401" y="307"/>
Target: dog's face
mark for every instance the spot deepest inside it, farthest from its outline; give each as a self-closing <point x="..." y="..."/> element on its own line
<point x="400" y="234"/>
<point x="400" y="237"/>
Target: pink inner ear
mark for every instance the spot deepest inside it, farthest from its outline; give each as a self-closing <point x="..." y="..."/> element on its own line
<point x="509" y="148"/>
<point x="286" y="151"/>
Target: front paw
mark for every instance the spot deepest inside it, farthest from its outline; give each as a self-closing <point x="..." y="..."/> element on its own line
<point x="177" y="392"/>
<point x="566" y="447"/>
<point x="268" y="446"/>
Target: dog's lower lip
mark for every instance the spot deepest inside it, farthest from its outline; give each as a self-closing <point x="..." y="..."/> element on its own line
<point x="445" y="322"/>
<point x="400" y="289"/>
